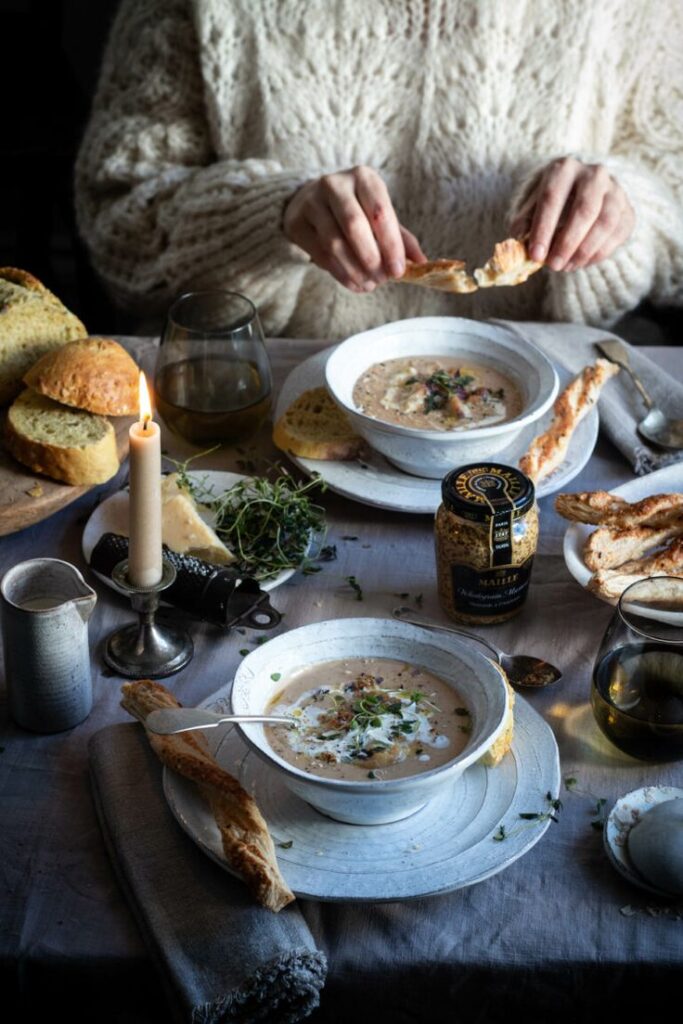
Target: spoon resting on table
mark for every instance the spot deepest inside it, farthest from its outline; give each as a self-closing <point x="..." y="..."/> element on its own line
<point x="169" y="721"/>
<point x="521" y="669"/>
<point x="655" y="426"/>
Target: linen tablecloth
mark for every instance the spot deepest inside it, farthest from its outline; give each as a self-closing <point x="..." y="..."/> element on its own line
<point x="558" y="931"/>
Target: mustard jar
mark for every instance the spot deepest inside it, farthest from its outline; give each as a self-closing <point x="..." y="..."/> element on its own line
<point x="486" y="532"/>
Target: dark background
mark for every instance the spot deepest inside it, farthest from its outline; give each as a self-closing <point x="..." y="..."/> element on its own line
<point x="50" y="53"/>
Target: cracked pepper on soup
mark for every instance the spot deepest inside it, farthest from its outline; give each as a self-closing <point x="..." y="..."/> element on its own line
<point x="436" y="393"/>
<point x="369" y="718"/>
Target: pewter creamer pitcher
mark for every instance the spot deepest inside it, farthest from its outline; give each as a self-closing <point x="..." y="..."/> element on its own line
<point x="46" y="605"/>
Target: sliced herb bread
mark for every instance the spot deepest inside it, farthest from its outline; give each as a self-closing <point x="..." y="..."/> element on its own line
<point x="314" y="428"/>
<point x="32" y="322"/>
<point x="65" y="444"/>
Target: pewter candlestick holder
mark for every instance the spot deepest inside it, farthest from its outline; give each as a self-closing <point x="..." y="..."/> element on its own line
<point x="148" y="649"/>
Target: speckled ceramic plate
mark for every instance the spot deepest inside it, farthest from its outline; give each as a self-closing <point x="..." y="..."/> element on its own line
<point x="375" y="481"/>
<point x="111" y="516"/>
<point x="623" y="816"/>
<point x="447" y="845"/>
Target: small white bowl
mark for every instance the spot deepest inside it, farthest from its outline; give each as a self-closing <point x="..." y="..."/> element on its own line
<point x="432" y="453"/>
<point x="479" y="682"/>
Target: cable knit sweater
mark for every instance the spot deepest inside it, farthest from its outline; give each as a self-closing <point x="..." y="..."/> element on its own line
<point x="211" y="113"/>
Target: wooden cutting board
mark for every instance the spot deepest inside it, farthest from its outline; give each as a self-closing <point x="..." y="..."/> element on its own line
<point x="27" y="497"/>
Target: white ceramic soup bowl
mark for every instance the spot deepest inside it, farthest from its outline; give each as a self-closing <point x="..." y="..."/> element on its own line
<point x="479" y="682"/>
<point x="432" y="453"/>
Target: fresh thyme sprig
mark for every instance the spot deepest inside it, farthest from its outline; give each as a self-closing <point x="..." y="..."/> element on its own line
<point x="531" y="818"/>
<point x="270" y="525"/>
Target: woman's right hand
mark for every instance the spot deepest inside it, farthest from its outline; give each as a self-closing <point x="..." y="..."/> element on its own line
<point x="347" y="224"/>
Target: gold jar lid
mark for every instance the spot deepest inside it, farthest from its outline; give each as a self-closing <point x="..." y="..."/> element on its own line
<point x="481" y="491"/>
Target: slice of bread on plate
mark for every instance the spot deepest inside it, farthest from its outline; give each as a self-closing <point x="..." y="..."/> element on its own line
<point x="96" y="374"/>
<point x="32" y="322"/>
<point x="65" y="444"/>
<point x="313" y="427"/>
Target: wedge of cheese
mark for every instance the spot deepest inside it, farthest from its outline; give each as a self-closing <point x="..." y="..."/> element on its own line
<point x="183" y="529"/>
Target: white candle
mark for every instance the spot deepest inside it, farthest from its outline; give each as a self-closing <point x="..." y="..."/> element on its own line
<point x="144" y="504"/>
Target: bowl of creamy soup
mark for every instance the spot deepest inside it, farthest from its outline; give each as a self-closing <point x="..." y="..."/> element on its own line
<point x="435" y="392"/>
<point x="384" y="714"/>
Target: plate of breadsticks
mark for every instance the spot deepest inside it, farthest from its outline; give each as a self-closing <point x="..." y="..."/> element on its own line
<point x="620" y="537"/>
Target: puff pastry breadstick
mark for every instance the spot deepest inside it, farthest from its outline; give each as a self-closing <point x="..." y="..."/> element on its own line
<point x="599" y="507"/>
<point x="547" y="451"/>
<point x="611" y="583"/>
<point x="247" y="844"/>
<point x="607" y="548"/>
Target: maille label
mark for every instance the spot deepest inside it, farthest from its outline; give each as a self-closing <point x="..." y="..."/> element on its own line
<point x="490" y="591"/>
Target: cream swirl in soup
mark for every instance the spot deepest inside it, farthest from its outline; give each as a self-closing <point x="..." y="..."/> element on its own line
<point x="436" y="393"/>
<point x="369" y="718"/>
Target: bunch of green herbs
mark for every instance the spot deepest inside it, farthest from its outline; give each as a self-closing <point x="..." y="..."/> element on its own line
<point x="270" y="525"/>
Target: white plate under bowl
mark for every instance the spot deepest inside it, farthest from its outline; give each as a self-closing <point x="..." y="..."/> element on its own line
<point x="626" y="812"/>
<point x="375" y="481"/>
<point x="111" y="516"/>
<point x="669" y="479"/>
<point x="447" y="845"/>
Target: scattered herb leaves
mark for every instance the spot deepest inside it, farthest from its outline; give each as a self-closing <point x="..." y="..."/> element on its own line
<point x="355" y="586"/>
<point x="286" y="846"/>
<point x="276" y="676"/>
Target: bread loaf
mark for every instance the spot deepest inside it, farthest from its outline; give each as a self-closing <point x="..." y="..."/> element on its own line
<point x="96" y="374"/>
<point x="32" y="322"/>
<point x="65" y="444"/>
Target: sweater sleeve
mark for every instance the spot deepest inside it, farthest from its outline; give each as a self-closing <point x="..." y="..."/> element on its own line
<point x="159" y="211"/>
<point x="645" y="160"/>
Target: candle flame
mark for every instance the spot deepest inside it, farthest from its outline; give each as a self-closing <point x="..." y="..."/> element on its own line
<point x="145" y="403"/>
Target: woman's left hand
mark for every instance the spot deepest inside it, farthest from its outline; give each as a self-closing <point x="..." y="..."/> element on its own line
<point x="576" y="215"/>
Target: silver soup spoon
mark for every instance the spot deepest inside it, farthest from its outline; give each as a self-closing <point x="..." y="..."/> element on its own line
<point x="168" y="721"/>
<point x="656" y="426"/>
<point x="521" y="669"/>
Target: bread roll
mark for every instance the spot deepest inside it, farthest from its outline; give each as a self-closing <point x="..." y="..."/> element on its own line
<point x="96" y="374"/>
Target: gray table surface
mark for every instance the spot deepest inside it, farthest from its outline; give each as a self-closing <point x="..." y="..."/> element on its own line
<point x="554" y="926"/>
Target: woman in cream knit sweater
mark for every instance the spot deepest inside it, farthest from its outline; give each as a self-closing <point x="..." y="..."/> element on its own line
<point x="215" y="120"/>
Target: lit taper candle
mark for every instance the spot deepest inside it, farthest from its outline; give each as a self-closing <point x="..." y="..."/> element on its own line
<point x="144" y="522"/>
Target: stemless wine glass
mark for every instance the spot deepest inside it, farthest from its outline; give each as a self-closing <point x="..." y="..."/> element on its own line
<point x="637" y="691"/>
<point x="212" y="378"/>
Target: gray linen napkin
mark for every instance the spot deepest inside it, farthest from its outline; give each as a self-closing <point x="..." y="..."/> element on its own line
<point x="222" y="958"/>
<point x="572" y="346"/>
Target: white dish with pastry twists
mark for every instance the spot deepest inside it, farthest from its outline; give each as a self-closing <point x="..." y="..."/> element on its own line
<point x="664" y="481"/>
<point x="432" y="453"/>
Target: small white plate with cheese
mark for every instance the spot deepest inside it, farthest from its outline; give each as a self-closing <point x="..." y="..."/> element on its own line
<point x="186" y="528"/>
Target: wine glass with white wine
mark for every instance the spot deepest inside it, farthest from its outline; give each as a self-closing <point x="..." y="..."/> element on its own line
<point x="212" y="379"/>
<point x="637" y="692"/>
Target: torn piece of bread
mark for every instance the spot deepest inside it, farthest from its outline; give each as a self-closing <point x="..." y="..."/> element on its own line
<point x="247" y="844"/>
<point x="444" y="275"/>
<point x="547" y="451"/>
<point x="509" y="265"/>
<point x="96" y="374"/>
<point x="607" y="548"/>
<point x="604" y="509"/>
<point x="313" y="427"/>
